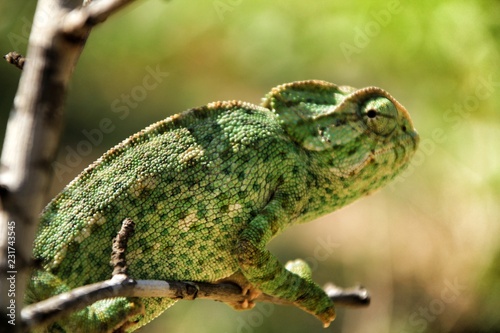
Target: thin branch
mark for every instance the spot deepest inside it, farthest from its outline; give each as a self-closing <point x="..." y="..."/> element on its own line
<point x="91" y="14"/>
<point x="99" y="11"/>
<point x="120" y="285"/>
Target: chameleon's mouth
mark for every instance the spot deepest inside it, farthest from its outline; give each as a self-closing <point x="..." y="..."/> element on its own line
<point x="398" y="152"/>
<point x="407" y="142"/>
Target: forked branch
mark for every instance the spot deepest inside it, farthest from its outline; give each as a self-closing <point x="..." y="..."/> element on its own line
<point x="57" y="38"/>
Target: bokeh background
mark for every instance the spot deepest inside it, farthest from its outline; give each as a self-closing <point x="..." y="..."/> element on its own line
<point x="426" y="246"/>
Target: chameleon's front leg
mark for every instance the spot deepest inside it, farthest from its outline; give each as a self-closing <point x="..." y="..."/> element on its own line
<point x="265" y="272"/>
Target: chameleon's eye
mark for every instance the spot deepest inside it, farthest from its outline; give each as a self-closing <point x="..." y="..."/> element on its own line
<point x="380" y="115"/>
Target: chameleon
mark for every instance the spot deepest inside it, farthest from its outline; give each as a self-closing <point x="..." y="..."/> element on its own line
<point x="208" y="188"/>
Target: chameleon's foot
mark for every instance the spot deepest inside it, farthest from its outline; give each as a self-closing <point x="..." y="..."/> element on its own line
<point x="247" y="290"/>
<point x="250" y="294"/>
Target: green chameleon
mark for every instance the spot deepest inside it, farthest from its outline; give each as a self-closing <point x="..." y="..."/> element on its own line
<point x="210" y="187"/>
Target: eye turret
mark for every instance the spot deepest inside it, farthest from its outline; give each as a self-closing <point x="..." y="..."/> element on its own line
<point x="380" y="115"/>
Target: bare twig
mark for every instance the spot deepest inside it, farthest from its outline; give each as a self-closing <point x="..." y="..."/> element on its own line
<point x="15" y="59"/>
<point x="356" y="296"/>
<point x="119" y="247"/>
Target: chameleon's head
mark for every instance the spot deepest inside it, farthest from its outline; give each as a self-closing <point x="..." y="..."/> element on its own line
<point x="362" y="138"/>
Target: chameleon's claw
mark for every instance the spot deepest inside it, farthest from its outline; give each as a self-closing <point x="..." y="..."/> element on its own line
<point x="246" y="305"/>
<point x="250" y="294"/>
<point x="247" y="290"/>
<point x="327" y="316"/>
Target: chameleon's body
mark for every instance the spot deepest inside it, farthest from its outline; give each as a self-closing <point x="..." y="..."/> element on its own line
<point x="208" y="188"/>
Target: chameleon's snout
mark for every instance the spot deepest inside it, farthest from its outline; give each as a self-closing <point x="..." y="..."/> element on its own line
<point x="406" y="124"/>
<point x="415" y="137"/>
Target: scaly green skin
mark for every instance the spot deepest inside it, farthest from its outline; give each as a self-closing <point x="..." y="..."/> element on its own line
<point x="210" y="187"/>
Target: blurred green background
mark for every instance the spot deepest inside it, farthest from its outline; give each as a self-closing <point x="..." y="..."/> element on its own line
<point x="426" y="246"/>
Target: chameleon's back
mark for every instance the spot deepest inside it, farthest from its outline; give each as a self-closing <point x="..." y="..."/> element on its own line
<point x="190" y="184"/>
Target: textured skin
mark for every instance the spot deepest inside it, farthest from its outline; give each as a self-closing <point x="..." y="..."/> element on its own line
<point x="208" y="189"/>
